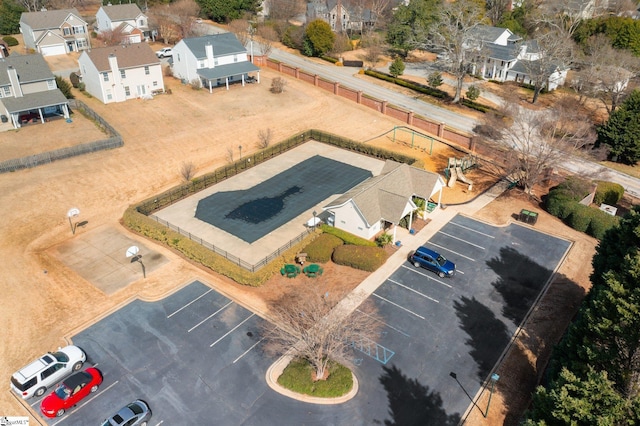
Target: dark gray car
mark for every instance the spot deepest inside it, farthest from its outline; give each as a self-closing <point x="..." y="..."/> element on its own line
<point x="135" y="414"/>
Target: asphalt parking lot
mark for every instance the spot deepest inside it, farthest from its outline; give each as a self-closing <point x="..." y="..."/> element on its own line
<point x="196" y="357"/>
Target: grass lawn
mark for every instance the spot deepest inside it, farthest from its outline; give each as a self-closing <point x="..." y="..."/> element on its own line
<point x="297" y="378"/>
<point x="623" y="168"/>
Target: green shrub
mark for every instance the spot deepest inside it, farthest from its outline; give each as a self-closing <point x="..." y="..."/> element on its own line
<point x="297" y="377"/>
<point x="321" y="249"/>
<point x="347" y="237"/>
<point x="11" y="41"/>
<point x="473" y="92"/>
<point x="572" y="189"/>
<point x="329" y="59"/>
<point x="475" y="105"/>
<point x="608" y="193"/>
<point x="384" y="239"/>
<point x="580" y="218"/>
<point x="360" y="257"/>
<point x="601" y="223"/>
<point x="436" y="93"/>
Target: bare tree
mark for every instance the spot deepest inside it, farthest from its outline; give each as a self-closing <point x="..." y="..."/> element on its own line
<point x="606" y="73"/>
<point x="538" y="140"/>
<point x="380" y="9"/>
<point x="312" y="326"/>
<point x="240" y="27"/>
<point x="453" y="33"/>
<point x="267" y="36"/>
<point x="285" y="9"/>
<point x="278" y="84"/>
<point x="566" y="15"/>
<point x="555" y="54"/>
<point x="175" y="20"/>
<point x="111" y="37"/>
<point x="187" y="170"/>
<point x="229" y="154"/>
<point x="264" y="138"/>
<point x="496" y="9"/>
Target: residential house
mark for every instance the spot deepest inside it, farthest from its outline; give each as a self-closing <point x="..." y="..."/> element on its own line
<point x="340" y="15"/>
<point x="504" y="56"/>
<point x="213" y="60"/>
<point x="126" y="19"/>
<point x="55" y="32"/>
<point x="28" y="91"/>
<point x="382" y="201"/>
<point x="119" y="73"/>
<point x="4" y="49"/>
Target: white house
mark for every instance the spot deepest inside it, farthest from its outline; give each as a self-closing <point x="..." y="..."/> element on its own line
<point x="119" y="73"/>
<point x="382" y="201"/>
<point x="214" y="60"/>
<point x="54" y="32"/>
<point x="126" y="18"/>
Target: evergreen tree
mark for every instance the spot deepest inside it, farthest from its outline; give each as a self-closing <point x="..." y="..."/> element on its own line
<point x="319" y="37"/>
<point x="397" y="67"/>
<point x="621" y="133"/>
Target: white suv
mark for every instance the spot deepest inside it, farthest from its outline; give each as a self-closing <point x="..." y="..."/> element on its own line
<point x="164" y="52"/>
<point x="49" y="369"/>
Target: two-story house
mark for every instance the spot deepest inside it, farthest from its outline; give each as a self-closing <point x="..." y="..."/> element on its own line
<point x="213" y="60"/>
<point x="340" y="15"/>
<point x="119" y="73"/>
<point x="127" y="19"/>
<point x="28" y="91"/>
<point x="55" y="32"/>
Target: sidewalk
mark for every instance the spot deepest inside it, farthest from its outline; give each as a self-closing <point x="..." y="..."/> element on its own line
<point x="439" y="218"/>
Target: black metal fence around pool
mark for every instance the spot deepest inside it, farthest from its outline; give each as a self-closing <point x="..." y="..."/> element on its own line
<point x="253" y="267"/>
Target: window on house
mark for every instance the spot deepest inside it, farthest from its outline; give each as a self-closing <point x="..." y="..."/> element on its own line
<point x="7" y="91"/>
<point x="146" y="70"/>
<point x="123" y="74"/>
<point x="109" y="95"/>
<point x="105" y="76"/>
<point x="235" y="58"/>
<point x="127" y="91"/>
<point x="78" y="29"/>
<point x="51" y="84"/>
<point x="141" y="23"/>
<point x="82" y="43"/>
<point x="200" y="64"/>
<point x="66" y="31"/>
<point x="155" y="84"/>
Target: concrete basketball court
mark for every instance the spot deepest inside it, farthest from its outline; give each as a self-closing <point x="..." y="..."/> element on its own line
<point x="99" y="256"/>
<point x="182" y="214"/>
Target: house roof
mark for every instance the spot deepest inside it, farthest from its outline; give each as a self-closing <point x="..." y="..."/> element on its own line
<point x="385" y="196"/>
<point x="30" y="68"/>
<point x="49" y="18"/>
<point x="34" y="100"/>
<point x="129" y="56"/>
<point x="488" y="33"/>
<point x="502" y="53"/>
<point x="223" y="44"/>
<point x="122" y="12"/>
<point x="224" y="71"/>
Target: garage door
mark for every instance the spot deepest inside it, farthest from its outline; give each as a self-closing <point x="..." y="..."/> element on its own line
<point x="135" y="38"/>
<point x="57" y="49"/>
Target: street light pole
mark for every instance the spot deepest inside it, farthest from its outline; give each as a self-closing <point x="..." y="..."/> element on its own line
<point x="494" y="379"/>
<point x="240" y="148"/>
<point x="251" y="32"/>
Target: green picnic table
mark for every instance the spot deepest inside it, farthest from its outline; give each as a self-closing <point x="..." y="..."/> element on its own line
<point x="290" y="271"/>
<point x="313" y="270"/>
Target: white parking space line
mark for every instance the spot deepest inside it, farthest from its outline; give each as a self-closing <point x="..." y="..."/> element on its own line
<point x="161" y="421"/>
<point x="415" y="291"/>
<point x="451" y="251"/>
<point x="385" y="324"/>
<point x="460" y="239"/>
<point x="395" y="304"/>
<point x="77" y="407"/>
<point x="247" y="351"/>
<point x="231" y="331"/>
<point x="209" y="317"/>
<point x="193" y="301"/>
<point x="419" y="272"/>
<point x="472" y="230"/>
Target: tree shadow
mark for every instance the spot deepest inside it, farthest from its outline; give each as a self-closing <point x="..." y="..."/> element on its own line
<point x="411" y="403"/>
<point x="487" y="334"/>
<point x="520" y="281"/>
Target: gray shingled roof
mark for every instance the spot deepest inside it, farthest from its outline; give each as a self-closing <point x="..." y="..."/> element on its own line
<point x="487" y="33"/>
<point x="223" y="71"/>
<point x="385" y="196"/>
<point x="133" y="55"/>
<point x="122" y="12"/>
<point x="30" y="68"/>
<point x="34" y="101"/>
<point x="49" y="19"/>
<point x="223" y="44"/>
<point x="502" y="53"/>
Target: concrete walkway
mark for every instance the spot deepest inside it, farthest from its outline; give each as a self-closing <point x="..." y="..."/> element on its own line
<point x="439" y="218"/>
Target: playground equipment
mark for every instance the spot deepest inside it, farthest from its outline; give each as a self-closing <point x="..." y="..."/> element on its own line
<point x="455" y="170"/>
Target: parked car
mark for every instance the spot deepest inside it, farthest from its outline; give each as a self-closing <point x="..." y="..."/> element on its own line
<point x="429" y="259"/>
<point x="135" y="414"/>
<point x="164" y="52"/>
<point x="71" y="391"/>
<point x="46" y="371"/>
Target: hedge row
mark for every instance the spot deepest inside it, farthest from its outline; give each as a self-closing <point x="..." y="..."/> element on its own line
<point x="422" y="88"/>
<point x="563" y="201"/>
<point x="321" y="249"/>
<point x="360" y="257"/>
<point x="347" y="237"/>
<point x="608" y="193"/>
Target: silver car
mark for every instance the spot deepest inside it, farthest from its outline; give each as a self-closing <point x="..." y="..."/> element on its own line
<point x="135" y="414"/>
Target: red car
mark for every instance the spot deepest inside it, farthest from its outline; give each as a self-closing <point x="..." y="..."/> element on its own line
<point x="71" y="391"/>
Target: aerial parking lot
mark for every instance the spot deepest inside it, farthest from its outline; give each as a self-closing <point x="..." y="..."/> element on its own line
<point x="196" y="357"/>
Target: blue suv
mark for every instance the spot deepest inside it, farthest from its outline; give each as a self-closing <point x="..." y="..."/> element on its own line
<point x="433" y="261"/>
